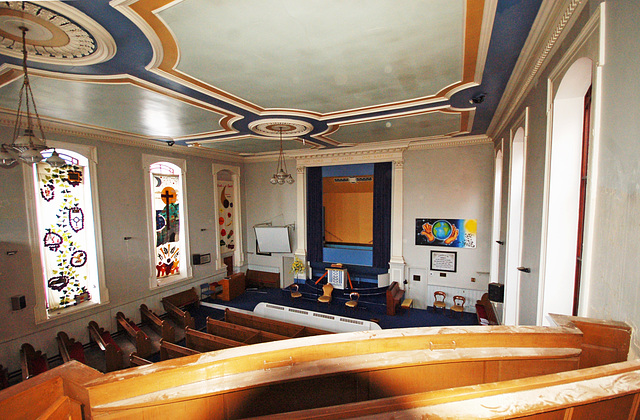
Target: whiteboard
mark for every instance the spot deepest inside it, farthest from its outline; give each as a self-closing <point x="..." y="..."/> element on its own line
<point x="273" y="238"/>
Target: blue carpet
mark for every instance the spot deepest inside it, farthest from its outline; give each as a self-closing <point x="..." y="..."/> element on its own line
<point x="370" y="307"/>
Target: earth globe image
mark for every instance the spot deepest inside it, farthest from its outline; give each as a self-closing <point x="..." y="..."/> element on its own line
<point x="441" y="229"/>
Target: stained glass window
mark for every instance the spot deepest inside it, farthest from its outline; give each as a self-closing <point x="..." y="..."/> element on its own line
<point x="66" y="232"/>
<point x="167" y="214"/>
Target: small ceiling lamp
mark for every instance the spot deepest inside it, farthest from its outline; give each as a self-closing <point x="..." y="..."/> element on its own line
<point x="281" y="176"/>
<point x="27" y="147"/>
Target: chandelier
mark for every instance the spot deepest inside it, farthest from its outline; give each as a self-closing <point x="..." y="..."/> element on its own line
<point x="27" y="147"/>
<point x="281" y="176"/>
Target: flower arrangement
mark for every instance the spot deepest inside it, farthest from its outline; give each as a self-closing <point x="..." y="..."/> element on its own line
<point x="297" y="266"/>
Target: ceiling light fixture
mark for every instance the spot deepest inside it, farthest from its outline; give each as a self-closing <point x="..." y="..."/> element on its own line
<point x="27" y="147"/>
<point x="281" y="176"/>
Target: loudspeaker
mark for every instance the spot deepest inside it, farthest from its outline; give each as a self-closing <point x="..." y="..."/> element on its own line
<point x="496" y="292"/>
<point x="18" y="302"/>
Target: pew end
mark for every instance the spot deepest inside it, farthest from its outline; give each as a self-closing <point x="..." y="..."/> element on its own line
<point x="112" y="352"/>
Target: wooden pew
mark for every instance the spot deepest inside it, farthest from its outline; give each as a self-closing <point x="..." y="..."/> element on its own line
<point x="337" y="369"/>
<point x="484" y="311"/>
<point x="70" y="348"/>
<point x="174" y="305"/>
<point x="162" y="327"/>
<point x="32" y="362"/>
<point x="4" y="377"/>
<point x="203" y="342"/>
<point x="232" y="286"/>
<point x="394" y="298"/>
<point x="58" y="393"/>
<point x="240" y="333"/>
<point x="135" y="360"/>
<point x="112" y="351"/>
<point x="135" y="334"/>
<point x="172" y="351"/>
<point x="270" y="325"/>
<point x="256" y="278"/>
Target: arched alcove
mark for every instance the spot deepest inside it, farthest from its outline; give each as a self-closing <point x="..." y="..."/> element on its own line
<point x="514" y="226"/>
<point x="565" y="202"/>
<point x="496" y="225"/>
<point x="228" y="217"/>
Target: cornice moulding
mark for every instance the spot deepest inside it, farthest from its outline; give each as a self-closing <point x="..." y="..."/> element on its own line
<point x="7" y="118"/>
<point x="377" y="151"/>
<point x="553" y="22"/>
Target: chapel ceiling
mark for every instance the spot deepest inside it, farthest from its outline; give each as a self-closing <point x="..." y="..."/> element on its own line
<point x="229" y="75"/>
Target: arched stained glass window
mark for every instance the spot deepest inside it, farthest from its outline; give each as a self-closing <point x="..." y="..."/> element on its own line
<point x="70" y="260"/>
<point x="167" y="204"/>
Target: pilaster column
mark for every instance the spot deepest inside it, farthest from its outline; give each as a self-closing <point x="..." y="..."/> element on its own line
<point x="301" y="216"/>
<point x="396" y="262"/>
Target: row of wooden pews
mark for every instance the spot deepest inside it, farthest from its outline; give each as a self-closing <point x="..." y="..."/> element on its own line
<point x="34" y="362"/>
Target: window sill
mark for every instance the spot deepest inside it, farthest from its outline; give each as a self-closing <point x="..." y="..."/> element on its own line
<point x="49" y="316"/>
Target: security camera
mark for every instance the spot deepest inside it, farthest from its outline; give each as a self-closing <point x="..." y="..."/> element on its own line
<point x="478" y="98"/>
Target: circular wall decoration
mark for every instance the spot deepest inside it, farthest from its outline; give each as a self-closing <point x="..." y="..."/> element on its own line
<point x="56" y="34"/>
<point x="271" y="127"/>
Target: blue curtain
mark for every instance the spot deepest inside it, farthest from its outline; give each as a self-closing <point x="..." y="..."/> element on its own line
<point x="315" y="227"/>
<point x="382" y="214"/>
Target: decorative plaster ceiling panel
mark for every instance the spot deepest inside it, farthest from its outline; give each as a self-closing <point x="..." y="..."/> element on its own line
<point x="254" y="145"/>
<point x="419" y="126"/>
<point x="121" y="107"/>
<point x="321" y="55"/>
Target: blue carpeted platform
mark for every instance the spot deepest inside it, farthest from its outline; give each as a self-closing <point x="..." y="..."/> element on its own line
<point x="371" y="307"/>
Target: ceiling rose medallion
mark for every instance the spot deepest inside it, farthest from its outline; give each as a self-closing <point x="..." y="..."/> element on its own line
<point x="57" y="34"/>
<point x="274" y="127"/>
<point x="281" y="128"/>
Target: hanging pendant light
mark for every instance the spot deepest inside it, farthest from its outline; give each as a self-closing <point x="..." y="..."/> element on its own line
<point x="27" y="146"/>
<point x="281" y="176"/>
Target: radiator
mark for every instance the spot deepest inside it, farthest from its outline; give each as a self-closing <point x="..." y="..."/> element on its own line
<point x="335" y="323"/>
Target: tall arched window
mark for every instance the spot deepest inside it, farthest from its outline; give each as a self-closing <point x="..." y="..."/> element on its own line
<point x="68" y="266"/>
<point x="167" y="221"/>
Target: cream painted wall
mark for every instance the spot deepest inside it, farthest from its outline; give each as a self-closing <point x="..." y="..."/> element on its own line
<point x="266" y="203"/>
<point x="120" y="182"/>
<point x="457" y="183"/>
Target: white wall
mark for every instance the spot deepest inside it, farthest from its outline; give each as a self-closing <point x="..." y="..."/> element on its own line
<point x="456" y="183"/>
<point x="268" y="203"/>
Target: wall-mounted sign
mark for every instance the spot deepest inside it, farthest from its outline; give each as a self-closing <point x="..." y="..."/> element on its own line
<point x="443" y="261"/>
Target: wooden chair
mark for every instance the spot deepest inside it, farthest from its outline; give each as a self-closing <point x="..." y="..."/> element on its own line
<point x="295" y="291"/>
<point x="438" y="300"/>
<point x="458" y="304"/>
<point x="353" y="300"/>
<point x="327" y="289"/>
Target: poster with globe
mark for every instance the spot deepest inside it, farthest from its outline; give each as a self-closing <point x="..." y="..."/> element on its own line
<point x="451" y="233"/>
